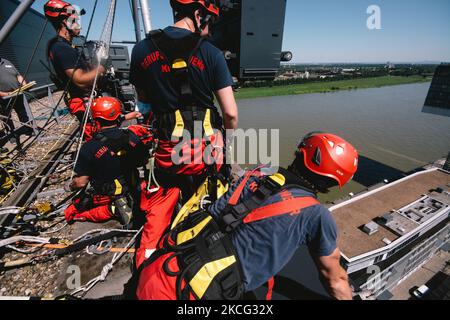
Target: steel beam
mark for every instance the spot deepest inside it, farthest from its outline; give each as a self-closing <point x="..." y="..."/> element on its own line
<point x="145" y="9"/>
<point x="14" y="19"/>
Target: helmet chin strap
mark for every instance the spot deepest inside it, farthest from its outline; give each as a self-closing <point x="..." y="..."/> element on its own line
<point x="204" y="22"/>
<point x="71" y="32"/>
<point x="194" y="22"/>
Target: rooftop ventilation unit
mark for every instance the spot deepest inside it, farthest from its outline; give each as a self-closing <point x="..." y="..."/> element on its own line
<point x="387" y="218"/>
<point x="370" y="228"/>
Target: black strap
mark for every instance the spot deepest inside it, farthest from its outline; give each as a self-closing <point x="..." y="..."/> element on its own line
<point x="54" y="77"/>
<point x="115" y="144"/>
<point x="233" y="216"/>
<point x="172" y="49"/>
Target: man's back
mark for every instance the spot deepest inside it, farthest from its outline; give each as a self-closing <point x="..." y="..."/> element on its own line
<point x="8" y="76"/>
<point x="208" y="72"/>
<point x="101" y="163"/>
<point x="264" y="247"/>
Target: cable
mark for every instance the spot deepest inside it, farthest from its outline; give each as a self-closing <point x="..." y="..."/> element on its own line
<point x="28" y="68"/>
<point x="105" y="42"/>
<point x="90" y="21"/>
<point x="15" y="239"/>
<point x="106" y="268"/>
<point x="103" y="231"/>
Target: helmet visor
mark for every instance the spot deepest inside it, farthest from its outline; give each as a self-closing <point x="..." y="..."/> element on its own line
<point x="74" y="14"/>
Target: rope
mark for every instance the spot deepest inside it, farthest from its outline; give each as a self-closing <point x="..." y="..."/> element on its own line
<point x="15" y="239"/>
<point x="106" y="268"/>
<point x="103" y="51"/>
<point x="103" y="231"/>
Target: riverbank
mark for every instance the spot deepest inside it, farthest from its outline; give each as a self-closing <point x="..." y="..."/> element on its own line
<point x="328" y="86"/>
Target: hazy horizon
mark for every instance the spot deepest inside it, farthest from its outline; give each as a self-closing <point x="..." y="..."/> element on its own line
<point x="328" y="31"/>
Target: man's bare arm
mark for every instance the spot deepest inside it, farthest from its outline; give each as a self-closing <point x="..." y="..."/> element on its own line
<point x="229" y="108"/>
<point x="335" y="276"/>
<point x="84" y="79"/>
<point x="4" y="94"/>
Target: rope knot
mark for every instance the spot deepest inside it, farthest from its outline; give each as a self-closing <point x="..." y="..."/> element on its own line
<point x="106" y="269"/>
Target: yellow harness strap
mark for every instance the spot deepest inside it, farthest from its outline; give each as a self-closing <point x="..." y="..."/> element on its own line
<point x="179" y="125"/>
<point x="190" y="234"/>
<point x="118" y="188"/>
<point x="193" y="204"/>
<point x="207" y="126"/>
<point x="201" y="281"/>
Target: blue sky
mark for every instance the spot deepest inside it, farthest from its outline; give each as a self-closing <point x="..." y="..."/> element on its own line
<point x="329" y="30"/>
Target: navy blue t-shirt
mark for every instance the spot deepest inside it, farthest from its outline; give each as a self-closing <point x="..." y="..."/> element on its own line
<point x="99" y="163"/>
<point x="264" y="247"/>
<point x="208" y="72"/>
<point x="64" y="57"/>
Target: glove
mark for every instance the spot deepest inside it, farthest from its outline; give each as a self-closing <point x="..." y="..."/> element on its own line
<point x="70" y="214"/>
<point x="102" y="56"/>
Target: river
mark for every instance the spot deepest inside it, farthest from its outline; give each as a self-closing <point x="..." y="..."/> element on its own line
<point x="386" y="125"/>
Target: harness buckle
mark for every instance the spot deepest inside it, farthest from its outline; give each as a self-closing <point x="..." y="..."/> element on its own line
<point x="232" y="217"/>
<point x="267" y="188"/>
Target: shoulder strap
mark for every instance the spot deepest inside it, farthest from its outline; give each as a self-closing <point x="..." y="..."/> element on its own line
<point x="50" y="45"/>
<point x="54" y="77"/>
<point x="117" y="144"/>
<point x="250" y="210"/>
<point x="291" y="206"/>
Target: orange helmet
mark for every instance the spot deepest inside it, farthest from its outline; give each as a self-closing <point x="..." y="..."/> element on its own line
<point x="329" y="155"/>
<point x="211" y="6"/>
<point x="106" y="108"/>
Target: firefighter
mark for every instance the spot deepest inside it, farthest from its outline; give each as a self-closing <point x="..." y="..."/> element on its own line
<point x="247" y="236"/>
<point x="71" y="67"/>
<point x="107" y="167"/>
<point x="178" y="73"/>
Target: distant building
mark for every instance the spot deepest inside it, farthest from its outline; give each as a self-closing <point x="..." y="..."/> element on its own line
<point x="388" y="233"/>
<point x="390" y="66"/>
<point x="439" y="94"/>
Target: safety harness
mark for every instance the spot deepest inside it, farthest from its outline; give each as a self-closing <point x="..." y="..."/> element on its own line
<point x="177" y="54"/>
<point x="8" y="174"/>
<point x="209" y="268"/>
<point x="120" y="148"/>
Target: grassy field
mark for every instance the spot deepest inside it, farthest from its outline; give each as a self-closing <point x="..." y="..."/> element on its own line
<point x="331" y="86"/>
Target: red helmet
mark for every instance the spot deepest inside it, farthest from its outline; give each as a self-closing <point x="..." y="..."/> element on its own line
<point x="329" y="155"/>
<point x="106" y="108"/>
<point x="56" y="10"/>
<point x="212" y="6"/>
